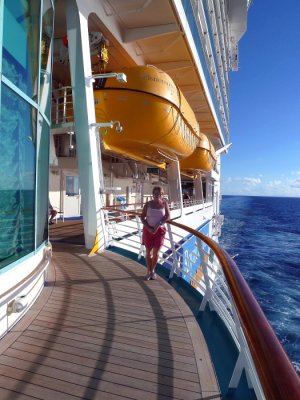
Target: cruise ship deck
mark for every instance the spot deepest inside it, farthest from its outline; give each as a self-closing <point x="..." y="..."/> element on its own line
<point x="100" y="331"/>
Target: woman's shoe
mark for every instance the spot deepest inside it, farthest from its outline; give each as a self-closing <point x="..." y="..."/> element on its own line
<point x="153" y="276"/>
<point x="148" y="277"/>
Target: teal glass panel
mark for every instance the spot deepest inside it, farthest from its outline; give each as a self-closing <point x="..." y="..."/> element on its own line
<point x="42" y="144"/>
<point x="46" y="58"/>
<point x="17" y="178"/>
<point x="21" y="38"/>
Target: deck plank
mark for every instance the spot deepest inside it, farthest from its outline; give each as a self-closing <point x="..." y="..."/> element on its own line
<point x="102" y="332"/>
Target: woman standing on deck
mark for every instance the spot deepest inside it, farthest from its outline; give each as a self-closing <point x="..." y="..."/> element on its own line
<point x="155" y="213"/>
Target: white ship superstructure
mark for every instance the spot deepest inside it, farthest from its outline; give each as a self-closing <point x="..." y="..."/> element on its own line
<point x="195" y="43"/>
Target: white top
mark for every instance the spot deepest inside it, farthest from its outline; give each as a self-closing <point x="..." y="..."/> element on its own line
<point x="155" y="215"/>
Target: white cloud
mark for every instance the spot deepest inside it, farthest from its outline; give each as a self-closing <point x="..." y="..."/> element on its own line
<point x="295" y="183"/>
<point x="274" y="183"/>
<point x="255" y="186"/>
<point x="252" y="181"/>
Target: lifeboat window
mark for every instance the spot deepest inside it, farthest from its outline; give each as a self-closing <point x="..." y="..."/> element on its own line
<point x="99" y="83"/>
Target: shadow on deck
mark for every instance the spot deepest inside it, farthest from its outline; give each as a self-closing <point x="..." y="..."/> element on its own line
<point x="99" y="331"/>
<point x="70" y="231"/>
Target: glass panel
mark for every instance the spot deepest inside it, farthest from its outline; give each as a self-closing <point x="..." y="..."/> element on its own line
<point x="42" y="181"/>
<point x="72" y="185"/>
<point x="209" y="190"/>
<point x="21" y="44"/>
<point x="17" y="180"/>
<point x="46" y="59"/>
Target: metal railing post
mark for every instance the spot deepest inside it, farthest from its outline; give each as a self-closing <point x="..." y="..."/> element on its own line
<point x="65" y="105"/>
<point x="56" y="112"/>
<point x="241" y="362"/>
<point x="208" y="292"/>
<point x="140" y="232"/>
<point x="175" y="260"/>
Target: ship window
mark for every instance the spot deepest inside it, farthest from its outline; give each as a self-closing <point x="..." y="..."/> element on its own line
<point x="17" y="180"/>
<point x="151" y="170"/>
<point x="72" y="185"/>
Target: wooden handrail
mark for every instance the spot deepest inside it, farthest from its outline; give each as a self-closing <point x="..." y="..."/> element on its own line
<point x="277" y="375"/>
<point x="113" y="206"/>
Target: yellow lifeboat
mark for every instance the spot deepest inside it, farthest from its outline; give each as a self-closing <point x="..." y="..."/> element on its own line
<point x="158" y="123"/>
<point x="203" y="158"/>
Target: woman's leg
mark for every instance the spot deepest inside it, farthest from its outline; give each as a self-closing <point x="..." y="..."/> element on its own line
<point x="148" y="263"/>
<point x="154" y="261"/>
<point x="149" y="260"/>
<point x="158" y="243"/>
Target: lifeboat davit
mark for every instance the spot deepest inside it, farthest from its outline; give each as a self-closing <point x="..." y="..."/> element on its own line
<point x="158" y="123"/>
<point x="203" y="158"/>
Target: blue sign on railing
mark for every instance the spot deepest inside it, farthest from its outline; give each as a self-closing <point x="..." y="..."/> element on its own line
<point x="188" y="256"/>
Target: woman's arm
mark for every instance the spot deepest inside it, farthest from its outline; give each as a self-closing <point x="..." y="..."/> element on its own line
<point x="167" y="214"/>
<point x="165" y="217"/>
<point x="167" y="211"/>
<point x="144" y="219"/>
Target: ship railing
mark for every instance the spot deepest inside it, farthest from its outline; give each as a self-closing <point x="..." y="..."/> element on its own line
<point x="201" y="262"/>
<point x="187" y="203"/>
<point x="200" y="204"/>
<point x="62" y="106"/>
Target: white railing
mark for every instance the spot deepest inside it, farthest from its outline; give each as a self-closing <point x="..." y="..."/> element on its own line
<point x="200" y="261"/>
<point x="190" y="258"/>
<point x="207" y="47"/>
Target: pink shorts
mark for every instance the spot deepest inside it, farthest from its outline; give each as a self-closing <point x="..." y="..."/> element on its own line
<point x="155" y="240"/>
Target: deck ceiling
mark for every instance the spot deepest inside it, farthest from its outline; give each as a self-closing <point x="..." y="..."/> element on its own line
<point x="140" y="32"/>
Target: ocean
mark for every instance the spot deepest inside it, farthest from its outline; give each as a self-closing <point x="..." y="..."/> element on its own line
<point x="264" y="234"/>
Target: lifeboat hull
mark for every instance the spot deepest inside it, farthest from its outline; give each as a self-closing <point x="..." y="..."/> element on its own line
<point x="203" y="158"/>
<point x="158" y="124"/>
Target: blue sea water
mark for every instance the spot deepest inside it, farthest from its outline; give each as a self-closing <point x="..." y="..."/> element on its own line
<point x="265" y="233"/>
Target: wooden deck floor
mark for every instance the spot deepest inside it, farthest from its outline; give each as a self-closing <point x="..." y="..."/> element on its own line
<point x="70" y="231"/>
<point x="99" y="331"/>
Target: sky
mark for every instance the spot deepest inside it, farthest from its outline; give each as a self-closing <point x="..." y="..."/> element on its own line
<point x="264" y="159"/>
